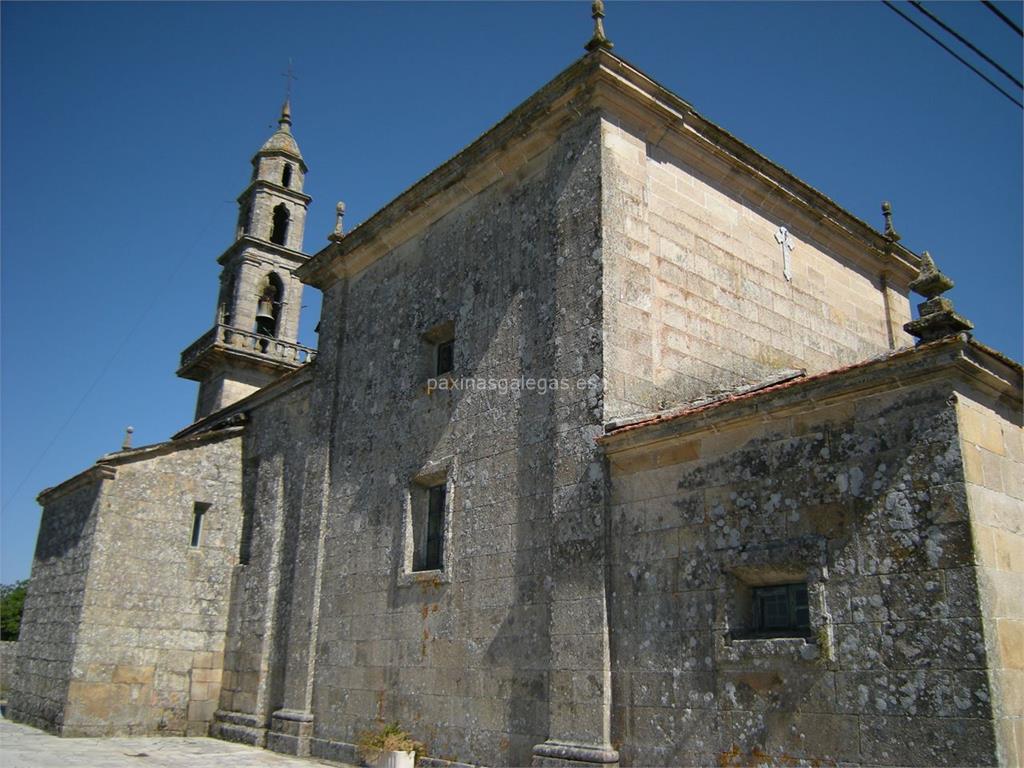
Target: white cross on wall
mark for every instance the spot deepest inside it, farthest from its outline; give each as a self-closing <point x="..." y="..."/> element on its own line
<point x="786" y="243"/>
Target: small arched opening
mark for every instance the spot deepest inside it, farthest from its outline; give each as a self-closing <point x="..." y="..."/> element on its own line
<point x="245" y="219"/>
<point x="286" y="175"/>
<point x="268" y="308"/>
<point x="227" y="297"/>
<point x="279" y="230"/>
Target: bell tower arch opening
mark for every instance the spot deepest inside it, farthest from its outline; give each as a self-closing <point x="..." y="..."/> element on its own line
<point x="279" y="228"/>
<point x="268" y="308"/>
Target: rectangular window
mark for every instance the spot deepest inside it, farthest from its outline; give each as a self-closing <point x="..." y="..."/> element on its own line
<point x="780" y="610"/>
<point x="428" y="528"/>
<point x="439" y="349"/>
<point x="199" y="509"/>
<point x="445" y="357"/>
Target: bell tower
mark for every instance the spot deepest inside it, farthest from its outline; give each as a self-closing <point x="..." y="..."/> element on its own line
<point x="254" y="338"/>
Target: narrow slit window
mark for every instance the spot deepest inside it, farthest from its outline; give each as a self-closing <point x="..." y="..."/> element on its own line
<point x="245" y="219"/>
<point x="445" y="358"/>
<point x="286" y="175"/>
<point x="428" y="535"/>
<point x="199" y="510"/>
<point x="780" y="610"/>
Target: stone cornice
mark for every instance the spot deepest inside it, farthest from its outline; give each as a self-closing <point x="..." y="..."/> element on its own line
<point x="666" y="119"/>
<point x="93" y="475"/>
<point x="280" y="153"/>
<point x="524" y="133"/>
<point x="277" y="189"/>
<point x="105" y="467"/>
<point x="603" y="81"/>
<point x="955" y="358"/>
<point x="248" y="241"/>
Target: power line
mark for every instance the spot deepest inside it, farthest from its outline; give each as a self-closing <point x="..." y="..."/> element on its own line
<point x="161" y="289"/>
<point x="951" y="52"/>
<point x="965" y="41"/>
<point x="1006" y="19"/>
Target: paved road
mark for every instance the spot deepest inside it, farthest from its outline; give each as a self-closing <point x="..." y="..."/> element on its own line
<point x="25" y="747"/>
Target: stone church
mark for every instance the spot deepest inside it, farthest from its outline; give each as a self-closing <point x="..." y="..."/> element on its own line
<point x="620" y="447"/>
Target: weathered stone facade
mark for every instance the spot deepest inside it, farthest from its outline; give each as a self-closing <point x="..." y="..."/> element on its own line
<point x="8" y="655"/>
<point x="856" y="485"/>
<point x="601" y="254"/>
<point x="124" y="624"/>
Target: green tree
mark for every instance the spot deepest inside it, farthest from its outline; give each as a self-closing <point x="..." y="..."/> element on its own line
<point x="12" y="601"/>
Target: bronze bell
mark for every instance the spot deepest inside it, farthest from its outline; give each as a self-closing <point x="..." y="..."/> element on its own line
<point x="265" y="309"/>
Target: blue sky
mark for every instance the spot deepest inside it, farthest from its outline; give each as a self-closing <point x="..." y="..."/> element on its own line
<point x="127" y="131"/>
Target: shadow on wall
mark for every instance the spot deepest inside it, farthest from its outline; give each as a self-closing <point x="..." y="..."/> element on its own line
<point x="64" y="522"/>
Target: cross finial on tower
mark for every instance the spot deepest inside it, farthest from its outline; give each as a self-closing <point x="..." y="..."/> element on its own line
<point x="599" y="40"/>
<point x="289" y="76"/>
<point x="285" y="121"/>
<point x="890" y="232"/>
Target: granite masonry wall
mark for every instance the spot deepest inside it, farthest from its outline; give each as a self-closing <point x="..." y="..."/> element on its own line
<point x="53" y="605"/>
<point x="8" y="656"/>
<point x="461" y="656"/>
<point x="864" y="499"/>
<point x="140" y="650"/>
<point x="993" y="451"/>
<point x="696" y="296"/>
<point x="270" y="629"/>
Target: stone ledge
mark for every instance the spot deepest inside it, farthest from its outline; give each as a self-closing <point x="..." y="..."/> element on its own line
<point x="553" y="754"/>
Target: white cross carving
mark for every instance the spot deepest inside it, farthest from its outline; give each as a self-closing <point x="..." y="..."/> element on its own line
<point x="786" y="243"/>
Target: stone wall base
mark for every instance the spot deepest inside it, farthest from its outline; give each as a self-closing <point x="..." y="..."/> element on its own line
<point x="290" y="732"/>
<point x="343" y="752"/>
<point x="553" y="754"/>
<point x="239" y="727"/>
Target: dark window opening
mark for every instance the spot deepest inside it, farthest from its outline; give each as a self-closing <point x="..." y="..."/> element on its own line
<point x="279" y="232"/>
<point x="428" y="536"/>
<point x="439" y="350"/>
<point x="245" y="543"/>
<point x="227" y="299"/>
<point x="780" y="610"/>
<point x="245" y="219"/>
<point x="199" y="510"/>
<point x="286" y="175"/>
<point x="445" y="357"/>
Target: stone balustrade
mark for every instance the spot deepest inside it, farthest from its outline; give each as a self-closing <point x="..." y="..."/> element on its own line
<point x="250" y="342"/>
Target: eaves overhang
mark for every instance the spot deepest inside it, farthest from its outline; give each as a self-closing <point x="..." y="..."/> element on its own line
<point x="105" y="467"/>
<point x="957" y="357"/>
<point x="603" y="81"/>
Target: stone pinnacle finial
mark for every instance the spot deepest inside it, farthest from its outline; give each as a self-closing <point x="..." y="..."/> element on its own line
<point x="890" y="231"/>
<point x="599" y="40"/>
<point x="127" y="438"/>
<point x="936" y="318"/>
<point x="285" y="121"/>
<point x="339" y="222"/>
